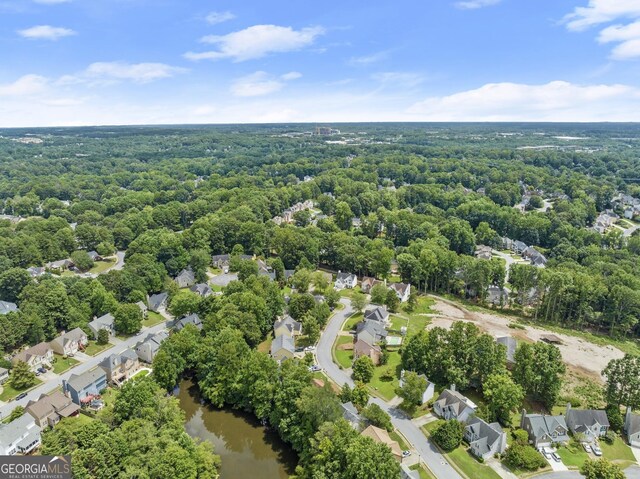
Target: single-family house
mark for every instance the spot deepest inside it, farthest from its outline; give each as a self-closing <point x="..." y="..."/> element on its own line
<point x="363" y="348"/>
<point x="288" y="326"/>
<point x="21" y="435"/>
<point x="120" y="367"/>
<point x="371" y="332"/>
<point x="94" y="256"/>
<point x="544" y="430"/>
<point x="485" y="440"/>
<point x="483" y="252"/>
<point x="288" y="273"/>
<point x="7" y="307"/>
<point x="106" y="321"/>
<point x="590" y="424"/>
<point x="282" y="347"/>
<point x="518" y="246"/>
<point x="535" y="257"/>
<point x="382" y="437"/>
<point x="429" y="390"/>
<point x="629" y="213"/>
<point x="185" y="278"/>
<point x="147" y="349"/>
<point x="402" y="291"/>
<point x="36" y="271"/>
<point x="350" y="413"/>
<point x="632" y="428"/>
<point x="4" y="375"/>
<point x="346" y="280"/>
<point x="202" y="289"/>
<point x="453" y="405"/>
<point x="36" y="357"/>
<point x="221" y="261"/>
<point x="70" y="343"/>
<point x="158" y="301"/>
<point x="83" y="388"/>
<point x="378" y="314"/>
<point x="497" y="295"/>
<point x="189" y="319"/>
<point x="49" y="409"/>
<point x="60" y="265"/>
<point x="507" y="243"/>
<point x="510" y="345"/>
<point x="367" y="284"/>
<point x="143" y="308"/>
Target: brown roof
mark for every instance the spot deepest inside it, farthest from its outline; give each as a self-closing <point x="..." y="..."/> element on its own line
<point x="53" y="403"/>
<point x="551" y="338"/>
<point x="362" y="347"/>
<point x="39" y="349"/>
<point x="381" y="436"/>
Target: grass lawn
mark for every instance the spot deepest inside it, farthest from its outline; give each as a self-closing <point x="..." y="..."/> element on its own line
<point x="348" y="292"/>
<point x="424" y="474"/>
<point x="343" y="357"/>
<point x="387" y="389"/>
<point x="62" y="364"/>
<point x="618" y="451"/>
<point x="141" y="374"/>
<point x="427" y="428"/>
<point x="101" y="266"/>
<point x="265" y="346"/>
<point x="350" y="323"/>
<point x="9" y="393"/>
<point x="214" y="271"/>
<point x="153" y="318"/>
<point x="398" y="438"/>
<point x="216" y="288"/>
<point x="573" y="456"/>
<point x="94" y="348"/>
<point x="464" y="461"/>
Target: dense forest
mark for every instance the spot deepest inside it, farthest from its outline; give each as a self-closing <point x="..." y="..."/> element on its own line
<point x="416" y="199"/>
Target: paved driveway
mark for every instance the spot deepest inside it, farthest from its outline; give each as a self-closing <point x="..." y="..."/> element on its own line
<point x="223" y="279"/>
<point x="426" y="451"/>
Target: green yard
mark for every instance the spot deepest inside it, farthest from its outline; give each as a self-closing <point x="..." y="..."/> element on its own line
<point x="618" y="451"/>
<point x="102" y="266"/>
<point x="62" y="364"/>
<point x="424" y="474"/>
<point x="350" y="323"/>
<point x="343" y="357"/>
<point x="8" y="393"/>
<point x="398" y="438"/>
<point x="382" y="386"/>
<point x="573" y="455"/>
<point x="265" y="346"/>
<point x="469" y="466"/>
<point x="94" y="348"/>
<point x="152" y="319"/>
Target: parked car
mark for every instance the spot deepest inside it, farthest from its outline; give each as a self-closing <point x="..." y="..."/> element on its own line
<point x="555" y="457"/>
<point x="315" y="368"/>
<point x="310" y="348"/>
<point x="544" y="452"/>
<point x="596" y="450"/>
<point x="587" y="447"/>
<point x="21" y="396"/>
<point x="42" y="369"/>
<point x="406" y="453"/>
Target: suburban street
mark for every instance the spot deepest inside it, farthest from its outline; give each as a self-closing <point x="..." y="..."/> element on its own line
<point x="426" y="451"/>
<point x="92" y="362"/>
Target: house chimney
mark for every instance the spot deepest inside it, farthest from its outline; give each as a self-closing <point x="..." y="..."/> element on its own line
<point x="627" y="419"/>
<point x="568" y="409"/>
<point x="524" y="413"/>
<point x="64" y="386"/>
<point x="453" y="387"/>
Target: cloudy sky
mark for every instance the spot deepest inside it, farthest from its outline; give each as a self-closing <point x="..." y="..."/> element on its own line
<point x="86" y="62"/>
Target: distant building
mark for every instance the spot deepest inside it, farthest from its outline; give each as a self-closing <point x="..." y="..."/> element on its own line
<point x="20" y="436"/>
<point x="185" y="278"/>
<point x="511" y="345"/>
<point x="428" y="392"/>
<point x="190" y="319"/>
<point x="367" y="284"/>
<point x="4" y="375"/>
<point x="158" y="301"/>
<point x="346" y="280"/>
<point x="453" y="405"/>
<point x="106" y="321"/>
<point x="120" y="367"/>
<point x="70" y="343"/>
<point x="379" y="314"/>
<point x="382" y="437"/>
<point x="402" y="291"/>
<point x="632" y="428"/>
<point x="364" y="348"/>
<point x="202" y="289"/>
<point x="147" y="349"/>
<point x="282" y="348"/>
<point x="287" y="326"/>
<point x="7" y="307"/>
<point x="485" y="440"/>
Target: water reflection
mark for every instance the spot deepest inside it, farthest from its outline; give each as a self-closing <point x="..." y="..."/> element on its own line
<point x="248" y="450"/>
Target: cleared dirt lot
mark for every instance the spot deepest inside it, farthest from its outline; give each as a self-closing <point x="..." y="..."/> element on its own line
<point x="578" y="354"/>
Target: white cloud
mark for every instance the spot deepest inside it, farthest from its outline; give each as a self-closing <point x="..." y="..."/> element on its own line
<point x="261" y="83"/>
<point x="45" y="32"/>
<point x="214" y="18"/>
<point x="601" y="11"/>
<point x="553" y="101"/>
<point x="23" y="86"/>
<point x="369" y="59"/>
<point x="256" y="42"/>
<point x="605" y="11"/>
<point x="404" y="79"/>
<point x="136" y="72"/>
<point x="475" y="4"/>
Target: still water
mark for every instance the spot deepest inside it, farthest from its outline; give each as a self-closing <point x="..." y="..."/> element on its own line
<point x="248" y="450"/>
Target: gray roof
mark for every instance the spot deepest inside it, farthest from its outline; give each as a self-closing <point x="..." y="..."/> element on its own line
<point x="345" y="277"/>
<point x="81" y="381"/>
<point x="154" y="340"/>
<point x="282" y="342"/>
<point x="185" y="278"/>
<point x="400" y="288"/>
<point x="633" y="427"/>
<point x="7" y="307"/>
<point x="377" y="314"/>
<point x="580" y="419"/>
<point x="372" y="327"/>
<point x="511" y="344"/>
<point x="542" y="424"/>
<point x="203" y="289"/>
<point x="142" y="306"/>
<point x="349" y="412"/>
<point x="487" y="434"/>
<point x="16" y="428"/>
<point x="156" y="300"/>
<point x="190" y="319"/>
<point x="291" y="324"/>
<point x="74" y="335"/>
<point x="104" y="321"/>
<point x="115" y="360"/>
<point x="454" y="401"/>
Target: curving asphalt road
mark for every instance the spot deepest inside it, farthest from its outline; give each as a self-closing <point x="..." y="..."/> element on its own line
<point x="426" y="451"/>
<point x="632" y="472"/>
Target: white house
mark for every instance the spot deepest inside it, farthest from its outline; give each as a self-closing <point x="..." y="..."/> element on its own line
<point x="632" y="428"/>
<point x="21" y="435"/>
<point x="69" y="343"/>
<point x="485" y="440"/>
<point x="106" y="321"/>
<point x="346" y="280"/>
<point x="453" y="405"/>
<point x="402" y="291"/>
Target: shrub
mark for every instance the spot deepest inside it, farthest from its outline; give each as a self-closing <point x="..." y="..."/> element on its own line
<point x="524" y="457"/>
<point x="448" y="434"/>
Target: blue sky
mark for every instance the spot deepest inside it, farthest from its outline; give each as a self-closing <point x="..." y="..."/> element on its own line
<point x="85" y="62"/>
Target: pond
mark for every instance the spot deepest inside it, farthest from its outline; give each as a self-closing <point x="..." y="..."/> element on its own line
<point x="248" y="450"/>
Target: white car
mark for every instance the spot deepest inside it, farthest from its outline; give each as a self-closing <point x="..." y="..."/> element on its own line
<point x="544" y="452"/>
<point x="587" y="447"/>
<point x="596" y="450"/>
<point x="309" y="349"/>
